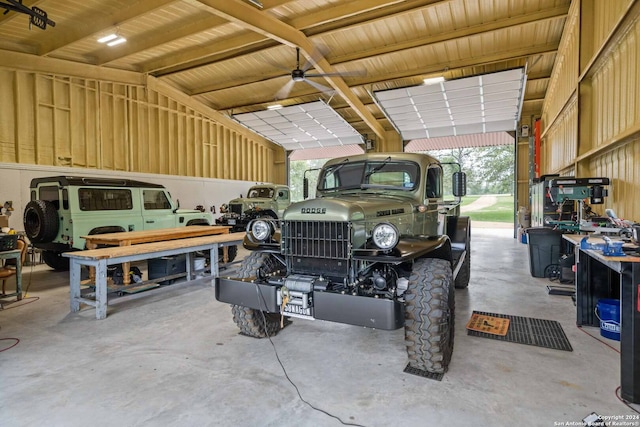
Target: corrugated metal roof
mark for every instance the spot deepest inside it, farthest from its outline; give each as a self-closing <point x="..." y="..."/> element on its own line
<point x="326" y="152"/>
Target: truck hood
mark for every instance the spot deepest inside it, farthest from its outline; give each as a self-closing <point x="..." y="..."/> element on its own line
<point x="244" y="201"/>
<point x="349" y="208"/>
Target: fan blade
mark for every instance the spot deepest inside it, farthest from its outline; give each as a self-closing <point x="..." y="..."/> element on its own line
<point x="322" y="88"/>
<point x="285" y="90"/>
<point x="319" y="51"/>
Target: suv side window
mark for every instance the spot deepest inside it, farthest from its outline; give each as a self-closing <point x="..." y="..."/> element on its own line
<point x="103" y="199"/>
<point x="155" y="199"/>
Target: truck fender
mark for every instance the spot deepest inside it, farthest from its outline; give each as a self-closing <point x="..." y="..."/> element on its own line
<point x="408" y="249"/>
<point x="459" y="229"/>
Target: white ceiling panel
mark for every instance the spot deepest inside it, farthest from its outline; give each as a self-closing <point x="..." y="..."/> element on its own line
<point x="302" y="126"/>
<point x="478" y="104"/>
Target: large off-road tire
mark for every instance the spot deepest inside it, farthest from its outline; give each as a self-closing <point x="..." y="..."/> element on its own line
<point x="55" y="260"/>
<point x="232" y="252"/>
<point x="40" y="221"/>
<point x="430" y="315"/>
<point x="252" y="322"/>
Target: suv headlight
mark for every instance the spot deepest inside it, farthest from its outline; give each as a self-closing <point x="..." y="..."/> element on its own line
<point x="261" y="230"/>
<point x="385" y="236"/>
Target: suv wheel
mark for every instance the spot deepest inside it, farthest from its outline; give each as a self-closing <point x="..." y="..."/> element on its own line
<point x="55" y="260"/>
<point x="40" y="221"/>
<point x="256" y="323"/>
<point x="430" y="315"/>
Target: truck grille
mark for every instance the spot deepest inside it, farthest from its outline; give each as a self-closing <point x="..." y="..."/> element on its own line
<point x="236" y="209"/>
<point x="322" y="239"/>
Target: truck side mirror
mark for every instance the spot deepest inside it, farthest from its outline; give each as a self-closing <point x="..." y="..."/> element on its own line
<point x="459" y="184"/>
<point x="305" y="188"/>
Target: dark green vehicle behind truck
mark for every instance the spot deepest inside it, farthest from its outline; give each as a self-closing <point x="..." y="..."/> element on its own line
<point x="379" y="247"/>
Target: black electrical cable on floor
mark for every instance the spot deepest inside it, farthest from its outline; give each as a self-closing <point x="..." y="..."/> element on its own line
<point x="617" y="389"/>
<point x="264" y="319"/>
<point x="598" y="339"/>
<point x="625" y="402"/>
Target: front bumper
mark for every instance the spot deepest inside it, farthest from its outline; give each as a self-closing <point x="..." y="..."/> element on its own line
<point x="370" y="312"/>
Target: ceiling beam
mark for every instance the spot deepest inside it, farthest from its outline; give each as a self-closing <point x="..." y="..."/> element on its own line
<point x="555" y="13"/>
<point x="461" y="64"/>
<point x="249" y="17"/>
<point x="503" y="24"/>
<point x="134" y="45"/>
<point x="86" y="26"/>
<point x="311" y="24"/>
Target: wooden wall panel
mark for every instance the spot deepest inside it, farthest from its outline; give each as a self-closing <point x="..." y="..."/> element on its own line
<point x="55" y="120"/>
<point x="620" y="166"/>
<point x="616" y="91"/>
<point x="559" y="144"/>
<point x="564" y="78"/>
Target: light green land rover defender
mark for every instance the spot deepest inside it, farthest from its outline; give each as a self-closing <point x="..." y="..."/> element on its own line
<point x="379" y="247"/>
<point x="63" y="208"/>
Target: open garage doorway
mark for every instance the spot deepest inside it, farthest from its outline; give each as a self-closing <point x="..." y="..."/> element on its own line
<point x="489" y="160"/>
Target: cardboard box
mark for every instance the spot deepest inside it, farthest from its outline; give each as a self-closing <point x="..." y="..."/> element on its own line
<point x="4" y="221"/>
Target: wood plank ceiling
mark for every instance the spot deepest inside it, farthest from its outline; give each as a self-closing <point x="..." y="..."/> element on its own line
<point x="235" y="56"/>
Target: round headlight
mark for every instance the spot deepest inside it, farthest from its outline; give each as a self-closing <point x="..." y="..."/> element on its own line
<point x="250" y="206"/>
<point x="261" y="230"/>
<point x="385" y="236"/>
<point x="224" y="208"/>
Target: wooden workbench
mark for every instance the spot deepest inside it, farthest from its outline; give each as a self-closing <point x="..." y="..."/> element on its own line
<point x="128" y="238"/>
<point x="99" y="259"/>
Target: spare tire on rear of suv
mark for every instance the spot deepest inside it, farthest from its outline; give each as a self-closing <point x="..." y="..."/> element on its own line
<point x="40" y="221"/>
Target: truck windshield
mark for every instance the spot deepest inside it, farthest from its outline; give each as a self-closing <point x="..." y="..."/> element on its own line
<point x="260" y="193"/>
<point x="391" y="175"/>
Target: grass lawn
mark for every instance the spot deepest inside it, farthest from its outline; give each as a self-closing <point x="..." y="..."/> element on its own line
<point x="502" y="211"/>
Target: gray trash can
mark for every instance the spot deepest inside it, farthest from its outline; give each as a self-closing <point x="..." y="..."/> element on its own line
<point x="545" y="249"/>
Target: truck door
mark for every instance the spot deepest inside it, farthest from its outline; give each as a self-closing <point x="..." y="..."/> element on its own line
<point x="157" y="211"/>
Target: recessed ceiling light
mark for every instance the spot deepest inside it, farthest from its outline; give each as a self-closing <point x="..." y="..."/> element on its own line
<point x="117" y="41"/>
<point x="433" y="80"/>
<point x="107" y="38"/>
<point x="274" y="107"/>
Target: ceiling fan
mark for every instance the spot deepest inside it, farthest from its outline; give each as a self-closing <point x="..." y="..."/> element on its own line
<point x="299" y="74"/>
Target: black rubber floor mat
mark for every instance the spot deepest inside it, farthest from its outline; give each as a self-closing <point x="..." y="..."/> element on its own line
<point x="421" y="373"/>
<point x="530" y="331"/>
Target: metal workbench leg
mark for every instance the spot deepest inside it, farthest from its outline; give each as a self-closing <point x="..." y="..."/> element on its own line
<point x="630" y="333"/>
<point x="189" y="266"/>
<point x="101" y="289"/>
<point x="74" y="285"/>
<point x="215" y="271"/>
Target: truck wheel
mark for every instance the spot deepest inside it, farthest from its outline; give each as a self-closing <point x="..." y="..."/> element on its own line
<point x="252" y="322"/>
<point x="430" y="315"/>
<point x="232" y="252"/>
<point x="55" y="260"/>
<point x="40" y="221"/>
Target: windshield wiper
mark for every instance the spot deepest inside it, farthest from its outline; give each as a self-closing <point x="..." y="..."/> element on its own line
<point x="377" y="168"/>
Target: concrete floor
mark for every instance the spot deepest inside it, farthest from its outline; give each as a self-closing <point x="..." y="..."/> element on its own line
<point x="175" y="358"/>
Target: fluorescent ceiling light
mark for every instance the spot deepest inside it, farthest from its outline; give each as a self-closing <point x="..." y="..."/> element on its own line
<point x="302" y="126"/>
<point x="117" y="41"/>
<point x="274" y="107"/>
<point x="433" y="80"/>
<point x="107" y="38"/>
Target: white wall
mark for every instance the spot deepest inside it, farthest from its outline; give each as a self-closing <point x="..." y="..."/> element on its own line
<point x="15" y="180"/>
